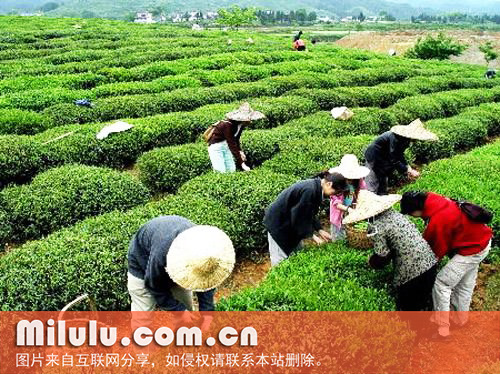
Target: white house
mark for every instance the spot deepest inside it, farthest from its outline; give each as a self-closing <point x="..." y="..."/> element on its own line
<point x="372" y="19"/>
<point x="177" y="18"/>
<point x="347" y="19"/>
<point x="325" y="19"/>
<point x="144" y="17"/>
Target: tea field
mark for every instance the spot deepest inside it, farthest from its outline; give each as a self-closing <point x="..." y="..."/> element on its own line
<point x="70" y="203"/>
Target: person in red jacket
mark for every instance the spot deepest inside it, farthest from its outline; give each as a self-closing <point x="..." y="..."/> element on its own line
<point x="450" y="232"/>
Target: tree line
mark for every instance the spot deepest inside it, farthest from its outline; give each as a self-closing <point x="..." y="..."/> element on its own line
<point x="456" y="18"/>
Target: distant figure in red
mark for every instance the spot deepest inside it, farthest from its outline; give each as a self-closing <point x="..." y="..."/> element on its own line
<point x="298" y="43"/>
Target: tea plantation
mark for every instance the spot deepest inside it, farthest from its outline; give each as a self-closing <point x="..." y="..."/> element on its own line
<point x="70" y="203"/>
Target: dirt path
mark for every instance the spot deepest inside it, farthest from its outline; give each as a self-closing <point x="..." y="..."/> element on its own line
<point x="400" y="41"/>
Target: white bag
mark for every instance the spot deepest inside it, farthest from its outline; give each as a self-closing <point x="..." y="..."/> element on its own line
<point x="115" y="127"/>
<point x="342" y="113"/>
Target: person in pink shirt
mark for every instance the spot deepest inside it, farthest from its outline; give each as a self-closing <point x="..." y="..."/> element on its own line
<point x="341" y="203"/>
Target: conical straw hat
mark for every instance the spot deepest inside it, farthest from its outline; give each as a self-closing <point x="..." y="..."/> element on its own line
<point x="200" y="258"/>
<point x="414" y="130"/>
<point x="245" y="114"/>
<point x="369" y="205"/>
<point x="350" y="169"/>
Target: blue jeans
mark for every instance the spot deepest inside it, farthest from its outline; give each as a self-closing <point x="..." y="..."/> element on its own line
<point x="221" y="158"/>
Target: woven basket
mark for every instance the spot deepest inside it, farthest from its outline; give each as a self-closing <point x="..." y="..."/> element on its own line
<point x="358" y="238"/>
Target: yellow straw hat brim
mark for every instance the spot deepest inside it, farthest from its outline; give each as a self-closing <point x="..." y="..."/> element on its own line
<point x="415" y="130"/>
<point x="369" y="205"/>
<point x="200" y="258"/>
<point x="245" y="114"/>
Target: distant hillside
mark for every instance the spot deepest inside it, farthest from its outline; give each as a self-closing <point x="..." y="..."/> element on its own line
<point x="20" y="5"/>
<point x="467" y="6"/>
<point x="121" y="8"/>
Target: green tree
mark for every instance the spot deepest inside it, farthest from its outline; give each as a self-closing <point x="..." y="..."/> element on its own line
<point x="489" y="52"/>
<point x="361" y="17"/>
<point x="385" y="16"/>
<point x="301" y="15"/>
<point x="47" y="7"/>
<point x="235" y="16"/>
<point x="312" y="17"/>
<point x="440" y="47"/>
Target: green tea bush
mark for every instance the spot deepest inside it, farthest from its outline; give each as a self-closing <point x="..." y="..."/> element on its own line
<point x="136" y="88"/>
<point x="307" y="157"/>
<point x="443" y="104"/>
<point x="132" y="106"/>
<point x="63" y="196"/>
<point x="83" y="81"/>
<point x="456" y="134"/>
<point x="16" y="121"/>
<point x="247" y="195"/>
<point x="340" y="277"/>
<point x="165" y="169"/>
<point x="20" y="158"/>
<point x="43" y="98"/>
<point x="91" y="257"/>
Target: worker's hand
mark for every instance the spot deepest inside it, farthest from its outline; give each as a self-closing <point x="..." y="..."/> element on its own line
<point x="412" y="173"/>
<point x="206" y="322"/>
<point x="245" y="167"/>
<point x="318" y="240"/>
<point x="325" y="235"/>
<point x="243" y="156"/>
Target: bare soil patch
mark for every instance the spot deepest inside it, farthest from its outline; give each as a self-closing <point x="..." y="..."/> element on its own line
<point x="401" y="41"/>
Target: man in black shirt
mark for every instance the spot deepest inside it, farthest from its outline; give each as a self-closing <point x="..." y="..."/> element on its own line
<point x="385" y="154"/>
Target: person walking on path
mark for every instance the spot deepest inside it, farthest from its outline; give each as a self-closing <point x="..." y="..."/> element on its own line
<point x="350" y="169"/>
<point x="170" y="257"/>
<point x="450" y="231"/>
<point x="292" y="217"/>
<point x="398" y="240"/>
<point x="385" y="154"/>
<point x="224" y="140"/>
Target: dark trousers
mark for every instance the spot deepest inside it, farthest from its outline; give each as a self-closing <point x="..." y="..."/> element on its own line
<point x="416" y="294"/>
<point x="377" y="181"/>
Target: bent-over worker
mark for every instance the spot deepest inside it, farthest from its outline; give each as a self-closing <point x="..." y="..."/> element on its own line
<point x="224" y="143"/>
<point x="292" y="217"/>
<point x="398" y="240"/>
<point x="450" y="232"/>
<point x="385" y="154"/>
<point x="170" y="257"/>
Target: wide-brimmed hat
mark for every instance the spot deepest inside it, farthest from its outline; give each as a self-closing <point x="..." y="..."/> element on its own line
<point x="350" y="169"/>
<point x="369" y="205"/>
<point x="415" y="130"/>
<point x="245" y="114"/>
<point x="200" y="258"/>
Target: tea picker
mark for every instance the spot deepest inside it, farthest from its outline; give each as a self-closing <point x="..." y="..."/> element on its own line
<point x="354" y="173"/>
<point x="385" y="154"/>
<point x="223" y="138"/>
<point x="490" y="74"/>
<point x="169" y="258"/>
<point x="458" y="230"/>
<point x="292" y="217"/>
<point x="398" y="240"/>
<point x="298" y="43"/>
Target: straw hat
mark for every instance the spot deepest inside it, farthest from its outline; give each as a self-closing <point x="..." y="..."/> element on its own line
<point x="414" y="130"/>
<point x="200" y="258"/>
<point x="350" y="169"/>
<point x="245" y="114"/>
<point x="369" y="205"/>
